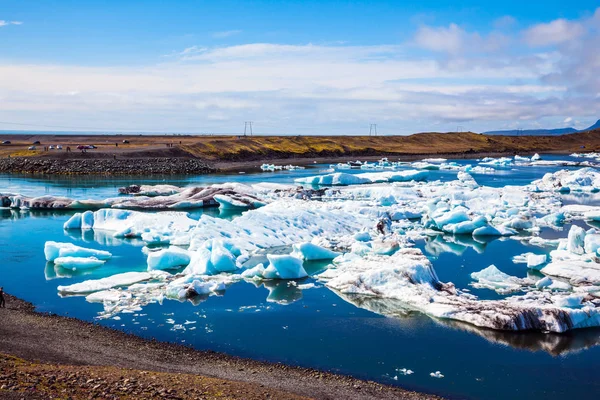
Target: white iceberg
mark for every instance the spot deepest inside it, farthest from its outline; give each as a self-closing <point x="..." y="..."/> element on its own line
<point x="54" y="250"/>
<point x="118" y="280"/>
<point x="173" y="257"/>
<point x="284" y="267"/>
<point x="78" y="263"/>
<point x="310" y="252"/>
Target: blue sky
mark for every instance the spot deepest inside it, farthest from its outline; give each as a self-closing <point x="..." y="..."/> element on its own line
<point x="298" y="67"/>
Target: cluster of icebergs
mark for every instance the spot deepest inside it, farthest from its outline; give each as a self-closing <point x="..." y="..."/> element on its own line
<point x="487" y="165"/>
<point x="273" y="167"/>
<point x="287" y="227"/>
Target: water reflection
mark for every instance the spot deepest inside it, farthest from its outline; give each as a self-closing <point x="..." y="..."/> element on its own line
<point x="14" y="214"/>
<point x="104" y="238"/>
<point x="551" y="343"/>
<point x="456" y="244"/>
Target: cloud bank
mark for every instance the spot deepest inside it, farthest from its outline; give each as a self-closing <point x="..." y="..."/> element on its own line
<point x="442" y="77"/>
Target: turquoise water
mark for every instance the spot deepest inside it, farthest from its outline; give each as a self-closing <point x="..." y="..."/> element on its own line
<point x="315" y="327"/>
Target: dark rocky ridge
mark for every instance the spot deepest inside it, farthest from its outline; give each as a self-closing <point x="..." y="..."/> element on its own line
<point x="132" y="166"/>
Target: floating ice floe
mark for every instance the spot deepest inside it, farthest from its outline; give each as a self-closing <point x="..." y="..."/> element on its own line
<point x="54" y="250"/>
<point x="309" y="251"/>
<point x="405" y="371"/>
<point x="160" y="197"/>
<point x="492" y="278"/>
<point x="582" y="180"/>
<point x="118" y="280"/>
<point x="343" y="179"/>
<point x="78" y="263"/>
<point x="408" y="276"/>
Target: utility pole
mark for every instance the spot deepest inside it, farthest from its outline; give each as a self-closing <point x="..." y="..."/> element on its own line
<point x="373" y="130"/>
<point x="248" y="128"/>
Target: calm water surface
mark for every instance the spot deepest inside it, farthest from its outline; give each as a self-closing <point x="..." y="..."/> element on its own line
<point x="315" y="327"/>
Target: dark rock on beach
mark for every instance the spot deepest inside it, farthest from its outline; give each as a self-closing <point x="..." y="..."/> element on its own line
<point x="133" y="166"/>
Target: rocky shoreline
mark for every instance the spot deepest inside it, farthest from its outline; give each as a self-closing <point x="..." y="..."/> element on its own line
<point x="104" y="166"/>
<point x="55" y="355"/>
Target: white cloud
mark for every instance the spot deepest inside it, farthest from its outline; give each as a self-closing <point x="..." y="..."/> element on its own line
<point x="473" y="78"/>
<point x="226" y="34"/>
<point x="449" y="39"/>
<point x="7" y="23"/>
<point x="552" y="33"/>
<point x="454" y="40"/>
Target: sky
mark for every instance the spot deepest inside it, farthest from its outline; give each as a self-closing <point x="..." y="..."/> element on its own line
<point x="298" y="67"/>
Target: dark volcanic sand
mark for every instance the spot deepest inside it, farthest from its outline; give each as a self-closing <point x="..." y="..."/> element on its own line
<point x="52" y="339"/>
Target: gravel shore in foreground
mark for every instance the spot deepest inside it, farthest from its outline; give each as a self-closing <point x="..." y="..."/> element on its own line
<point x="59" y="353"/>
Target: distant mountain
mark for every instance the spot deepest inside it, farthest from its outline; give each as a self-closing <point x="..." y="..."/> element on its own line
<point x="542" y="132"/>
<point x="595" y="126"/>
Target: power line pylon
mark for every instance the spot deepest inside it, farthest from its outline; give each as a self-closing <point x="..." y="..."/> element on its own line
<point x="373" y="130"/>
<point x="248" y="128"/>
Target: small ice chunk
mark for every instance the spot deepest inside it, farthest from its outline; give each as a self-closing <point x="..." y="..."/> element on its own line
<point x="592" y="243"/>
<point x="362" y="236"/>
<point x="170" y="258"/>
<point x="78" y="263"/>
<point x="576" y="240"/>
<point x="492" y="278"/>
<point x="521" y="258"/>
<point x="548" y="283"/>
<point x="490" y="230"/>
<point x="284" y="266"/>
<point x="572" y="301"/>
<point x="310" y="252"/>
<point x="436" y="374"/>
<point x="256" y="272"/>
<point x="535" y="261"/>
<point x="54" y="250"/>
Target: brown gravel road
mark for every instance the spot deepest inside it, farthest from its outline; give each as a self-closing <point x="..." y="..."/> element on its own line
<point x="105" y="357"/>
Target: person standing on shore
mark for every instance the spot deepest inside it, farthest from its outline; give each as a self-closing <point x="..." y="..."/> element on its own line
<point x="2" y="302"/>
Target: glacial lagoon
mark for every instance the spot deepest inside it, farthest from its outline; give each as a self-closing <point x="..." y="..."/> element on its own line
<point x="308" y="323"/>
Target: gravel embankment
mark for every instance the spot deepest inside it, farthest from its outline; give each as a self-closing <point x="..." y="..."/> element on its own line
<point x="51" y="339"/>
<point x="133" y="166"/>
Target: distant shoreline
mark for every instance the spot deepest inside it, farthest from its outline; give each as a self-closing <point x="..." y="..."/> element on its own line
<point x="193" y="155"/>
<point x="50" y="339"/>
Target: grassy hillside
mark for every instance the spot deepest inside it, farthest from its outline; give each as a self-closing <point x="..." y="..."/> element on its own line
<point x="232" y="148"/>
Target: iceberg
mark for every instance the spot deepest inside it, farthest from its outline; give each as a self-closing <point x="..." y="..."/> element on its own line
<point x="310" y="252"/>
<point x="78" y="263"/>
<point x="213" y="257"/>
<point x="284" y="267"/>
<point x="344" y="179"/>
<point x="492" y="278"/>
<point x="408" y="277"/>
<point x="171" y="258"/>
<point x="489" y="230"/>
<point x="576" y="240"/>
<point x="584" y="179"/>
<point x="54" y="250"/>
<point x="535" y="261"/>
<point x="118" y="280"/>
